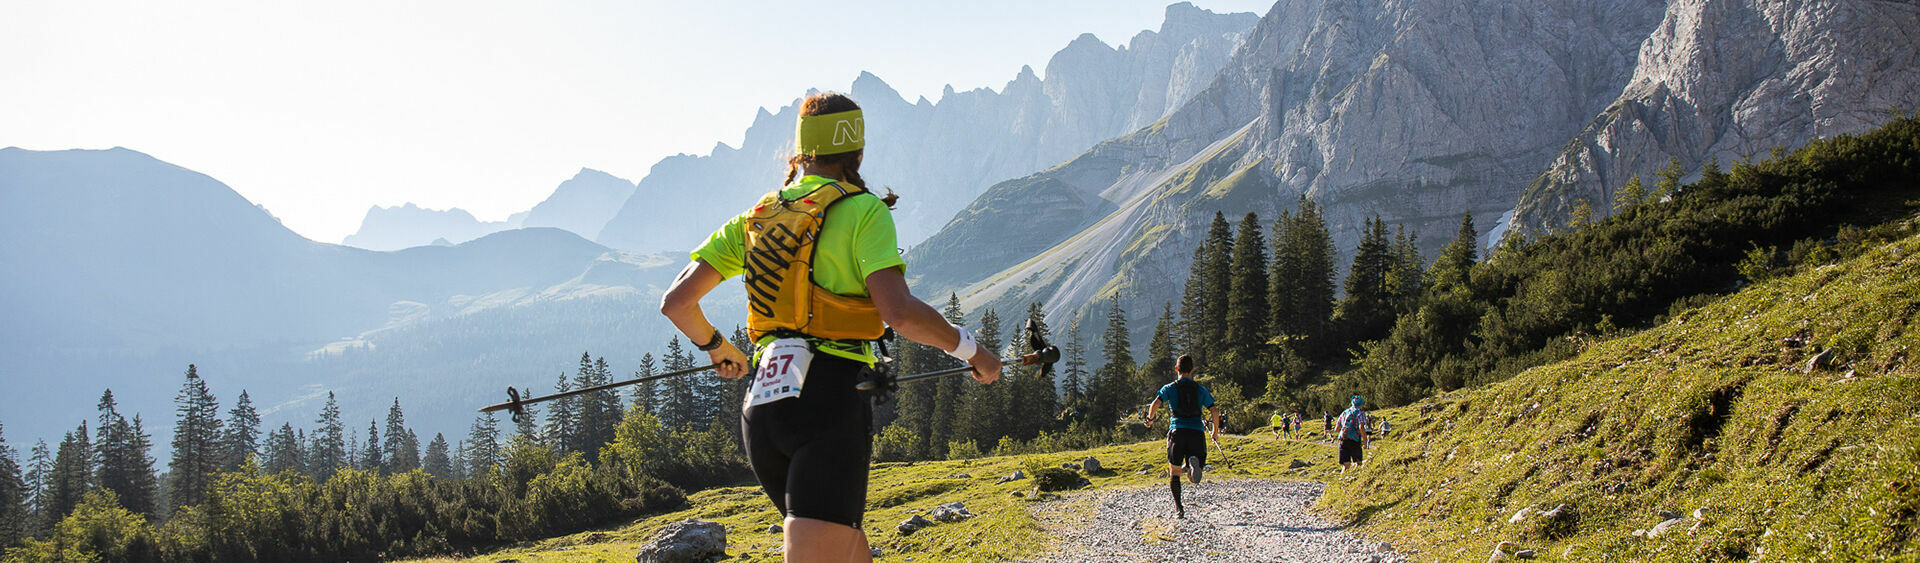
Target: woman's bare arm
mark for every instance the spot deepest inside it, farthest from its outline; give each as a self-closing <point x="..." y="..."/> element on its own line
<point x="917" y="321"/>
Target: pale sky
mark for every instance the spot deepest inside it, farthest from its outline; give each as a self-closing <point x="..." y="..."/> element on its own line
<point x="318" y="110"/>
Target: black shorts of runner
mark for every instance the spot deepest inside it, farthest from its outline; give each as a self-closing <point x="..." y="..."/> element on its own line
<point x="1350" y="451"/>
<point x="811" y="452"/>
<point x="1183" y="443"/>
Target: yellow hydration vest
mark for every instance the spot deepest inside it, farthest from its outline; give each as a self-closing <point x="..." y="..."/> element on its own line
<point x="781" y="295"/>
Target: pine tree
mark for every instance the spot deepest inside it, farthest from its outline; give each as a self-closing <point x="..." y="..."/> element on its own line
<point x="437" y="461"/>
<point x="1111" y="396"/>
<point x="983" y="410"/>
<point x="524" y="430"/>
<point x="123" y="464"/>
<point x="1035" y="404"/>
<point x="948" y="392"/>
<point x="1455" y="264"/>
<point x="1193" y="301"/>
<point x="678" y="410"/>
<point x="1073" y="370"/>
<point x="13" y="495"/>
<point x="1219" y="278"/>
<point x="605" y="411"/>
<point x="1406" y="277"/>
<point x="370" y="458"/>
<point x="563" y="421"/>
<point x="483" y="445"/>
<point x="1160" y="357"/>
<point x="645" y="396"/>
<point x="72" y="476"/>
<point x="39" y="483"/>
<point x="196" y="443"/>
<point x="243" y="433"/>
<point x="1367" y="311"/>
<point x="283" y="452"/>
<point x="401" y="451"/>
<point x="1246" y="316"/>
<point x="1300" y="296"/>
<point x="329" y="442"/>
<point x="457" y="462"/>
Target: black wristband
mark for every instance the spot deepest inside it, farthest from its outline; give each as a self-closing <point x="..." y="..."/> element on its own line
<point x="711" y="344"/>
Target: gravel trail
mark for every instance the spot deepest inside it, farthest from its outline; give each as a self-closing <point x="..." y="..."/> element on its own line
<point x="1236" y="520"/>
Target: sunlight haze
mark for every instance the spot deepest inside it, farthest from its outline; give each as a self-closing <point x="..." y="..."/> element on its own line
<point x="317" y="111"/>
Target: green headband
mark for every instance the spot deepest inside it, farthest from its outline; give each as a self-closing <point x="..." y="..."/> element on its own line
<point x="832" y="133"/>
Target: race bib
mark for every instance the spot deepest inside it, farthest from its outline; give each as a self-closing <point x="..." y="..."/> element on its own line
<point x="782" y="371"/>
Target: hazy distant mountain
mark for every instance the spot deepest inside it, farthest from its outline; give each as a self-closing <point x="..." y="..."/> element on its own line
<point x="582" y="204"/>
<point x="938" y="157"/>
<point x="117" y="270"/>
<point x="407" y="226"/>
<point x="1418" y="111"/>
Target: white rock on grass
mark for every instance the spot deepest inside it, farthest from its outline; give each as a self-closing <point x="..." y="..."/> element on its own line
<point x="686" y="541"/>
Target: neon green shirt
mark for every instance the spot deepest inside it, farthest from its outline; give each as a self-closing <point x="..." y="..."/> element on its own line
<point x="856" y="240"/>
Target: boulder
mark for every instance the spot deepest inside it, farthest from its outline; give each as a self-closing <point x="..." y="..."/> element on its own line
<point x="1520" y="515"/>
<point x="686" y="541"/>
<point x="1298" y="463"/>
<point x="1523" y="554"/>
<point x="774" y="529"/>
<point x="914" y="524"/>
<point x="1091" y="465"/>
<point x="952" y="512"/>
<point x="1664" y="526"/>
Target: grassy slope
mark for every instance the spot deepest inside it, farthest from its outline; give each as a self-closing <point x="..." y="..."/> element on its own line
<point x="1004" y="528"/>
<point x="1709" y="410"/>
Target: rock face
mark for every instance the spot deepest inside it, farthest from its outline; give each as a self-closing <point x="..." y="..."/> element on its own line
<point x="940" y="156"/>
<point x="686" y="541"/>
<point x="1415" y="111"/>
<point x="1720" y="80"/>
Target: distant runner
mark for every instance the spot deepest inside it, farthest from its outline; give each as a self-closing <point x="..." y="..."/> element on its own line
<point x="1279" y="424"/>
<point x="1353" y="435"/>
<point x="1186" y="445"/>
<point x="823" y="272"/>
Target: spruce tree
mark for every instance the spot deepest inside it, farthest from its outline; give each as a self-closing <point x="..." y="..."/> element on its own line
<point x="1300" y="295"/>
<point x="370" y="458"/>
<point x="71" y="478"/>
<point x="1035" y="404"/>
<point x="1367" y="311"/>
<point x="1160" y="356"/>
<point x="598" y="428"/>
<point x="984" y="408"/>
<point x="1219" y="289"/>
<point x="1455" y="264"/>
<point x="1112" y="396"/>
<point x="196" y="443"/>
<point x="679" y="407"/>
<point x="123" y="464"/>
<point x="563" y="421"/>
<point x="1406" y="277"/>
<point x="483" y="445"/>
<point x="243" y="434"/>
<point x="1193" y="301"/>
<point x="1247" y="296"/>
<point x="645" y="395"/>
<point x="13" y="495"/>
<point x="282" y="453"/>
<point x="437" y="461"/>
<point x="949" y="392"/>
<point x="400" y="451"/>
<point x="39" y="483"/>
<point x="1073" y="372"/>
<point x="329" y="442"/>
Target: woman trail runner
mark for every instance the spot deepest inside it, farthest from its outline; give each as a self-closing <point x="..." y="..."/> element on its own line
<point x="823" y="273"/>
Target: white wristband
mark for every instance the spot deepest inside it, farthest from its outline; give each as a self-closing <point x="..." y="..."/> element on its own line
<point x="967" y="347"/>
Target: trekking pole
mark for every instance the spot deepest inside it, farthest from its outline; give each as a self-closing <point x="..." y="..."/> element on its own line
<point x="517" y="404"/>
<point x="1043" y="355"/>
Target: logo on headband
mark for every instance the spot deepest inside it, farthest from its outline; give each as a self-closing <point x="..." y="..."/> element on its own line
<point x="832" y="133"/>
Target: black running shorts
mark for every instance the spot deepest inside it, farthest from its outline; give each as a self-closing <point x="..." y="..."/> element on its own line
<point x="1350" y="451"/>
<point x="811" y="452"/>
<point x="1186" y="442"/>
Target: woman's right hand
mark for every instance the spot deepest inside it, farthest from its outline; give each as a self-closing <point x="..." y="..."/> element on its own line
<point x="733" y="364"/>
<point x="986" y="366"/>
